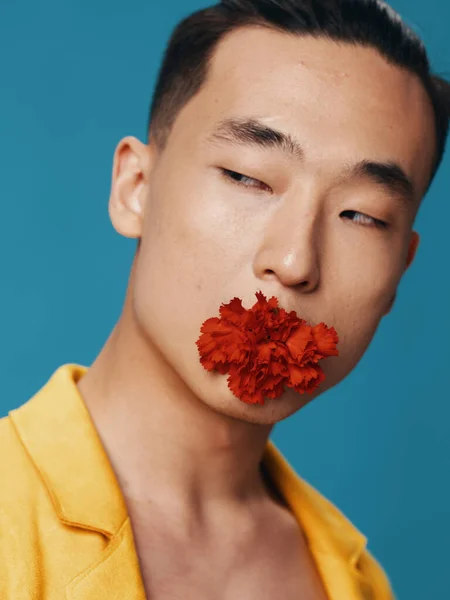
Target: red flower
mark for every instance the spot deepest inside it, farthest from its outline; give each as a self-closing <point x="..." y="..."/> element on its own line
<point x="265" y="348"/>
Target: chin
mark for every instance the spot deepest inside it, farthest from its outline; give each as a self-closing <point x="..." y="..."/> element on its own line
<point x="271" y="412"/>
<point x="212" y="388"/>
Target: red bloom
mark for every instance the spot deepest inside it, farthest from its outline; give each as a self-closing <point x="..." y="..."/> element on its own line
<point x="265" y="348"/>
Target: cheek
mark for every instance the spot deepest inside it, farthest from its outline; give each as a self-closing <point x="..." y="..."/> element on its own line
<point x="366" y="281"/>
<point x="369" y="269"/>
<point x="200" y="236"/>
<point x="193" y="257"/>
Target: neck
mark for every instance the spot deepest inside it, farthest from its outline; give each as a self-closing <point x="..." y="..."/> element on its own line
<point x="165" y="445"/>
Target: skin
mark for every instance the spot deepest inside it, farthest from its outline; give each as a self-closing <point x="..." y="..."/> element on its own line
<point x="206" y="239"/>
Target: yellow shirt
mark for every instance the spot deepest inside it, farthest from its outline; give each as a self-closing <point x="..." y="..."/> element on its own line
<point x="64" y="528"/>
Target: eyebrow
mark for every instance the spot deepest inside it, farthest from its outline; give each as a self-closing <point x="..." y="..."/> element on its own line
<point x="253" y="132"/>
<point x="387" y="174"/>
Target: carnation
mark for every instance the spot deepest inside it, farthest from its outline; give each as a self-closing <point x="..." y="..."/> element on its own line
<point x="264" y="348"/>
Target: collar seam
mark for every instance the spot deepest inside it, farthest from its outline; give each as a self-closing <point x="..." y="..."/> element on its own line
<point x="57" y="506"/>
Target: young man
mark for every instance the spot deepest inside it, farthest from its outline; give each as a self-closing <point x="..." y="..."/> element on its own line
<point x="291" y="143"/>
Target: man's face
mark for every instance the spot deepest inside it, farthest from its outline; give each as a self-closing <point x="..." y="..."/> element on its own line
<point x="317" y="226"/>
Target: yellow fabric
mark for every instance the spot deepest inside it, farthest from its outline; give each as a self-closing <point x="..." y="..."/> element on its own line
<point x="64" y="528"/>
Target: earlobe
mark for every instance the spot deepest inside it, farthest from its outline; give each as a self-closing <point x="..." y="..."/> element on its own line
<point x="391" y="304"/>
<point x="413" y="245"/>
<point x="412" y="249"/>
<point x="129" y="181"/>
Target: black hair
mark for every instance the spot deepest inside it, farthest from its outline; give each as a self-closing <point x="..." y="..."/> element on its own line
<point x="371" y="23"/>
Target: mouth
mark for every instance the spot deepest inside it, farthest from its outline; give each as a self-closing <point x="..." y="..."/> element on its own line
<point x="265" y="348"/>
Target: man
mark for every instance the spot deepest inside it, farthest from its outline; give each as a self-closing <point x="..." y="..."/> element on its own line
<point x="290" y="145"/>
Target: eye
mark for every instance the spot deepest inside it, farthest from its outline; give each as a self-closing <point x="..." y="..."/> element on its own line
<point x="240" y="179"/>
<point x="362" y="219"/>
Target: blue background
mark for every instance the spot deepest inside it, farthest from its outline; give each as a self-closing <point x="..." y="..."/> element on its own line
<point x="78" y="75"/>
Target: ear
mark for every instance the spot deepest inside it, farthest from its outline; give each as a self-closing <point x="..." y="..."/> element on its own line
<point x="131" y="170"/>
<point x="413" y="245"/>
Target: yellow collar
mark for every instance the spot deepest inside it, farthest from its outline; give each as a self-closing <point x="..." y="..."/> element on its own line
<point x="60" y="437"/>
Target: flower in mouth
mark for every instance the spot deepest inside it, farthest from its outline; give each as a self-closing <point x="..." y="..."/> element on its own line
<point x="265" y="348"/>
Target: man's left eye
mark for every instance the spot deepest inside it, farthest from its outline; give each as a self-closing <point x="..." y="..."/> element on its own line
<point x="363" y="219"/>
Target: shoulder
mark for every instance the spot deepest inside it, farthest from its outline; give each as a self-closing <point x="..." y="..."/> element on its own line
<point x="372" y="571"/>
<point x="20" y="492"/>
<point x="17" y="472"/>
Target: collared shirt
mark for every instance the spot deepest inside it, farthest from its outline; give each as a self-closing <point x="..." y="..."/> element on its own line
<point x="64" y="527"/>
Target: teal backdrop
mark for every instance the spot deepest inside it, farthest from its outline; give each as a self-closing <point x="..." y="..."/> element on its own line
<point x="76" y="76"/>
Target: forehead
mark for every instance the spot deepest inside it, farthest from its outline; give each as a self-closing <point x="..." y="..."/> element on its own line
<point x="340" y="100"/>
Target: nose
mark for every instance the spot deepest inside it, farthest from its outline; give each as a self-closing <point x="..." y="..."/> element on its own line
<point x="289" y="250"/>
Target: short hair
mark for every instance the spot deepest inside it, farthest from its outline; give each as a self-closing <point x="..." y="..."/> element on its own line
<point x="370" y="23"/>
